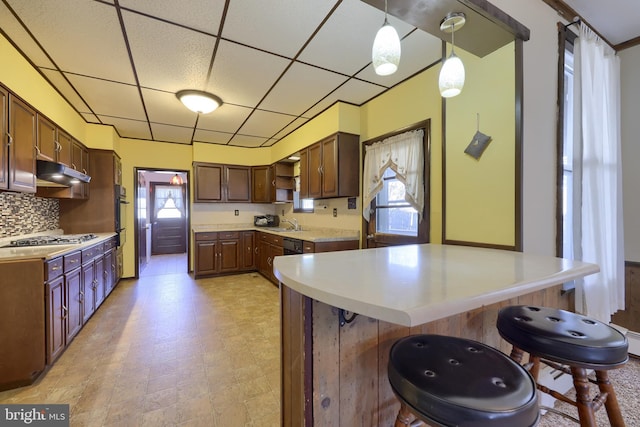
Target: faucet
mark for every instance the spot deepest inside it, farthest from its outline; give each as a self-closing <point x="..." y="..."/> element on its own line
<point x="293" y="222"/>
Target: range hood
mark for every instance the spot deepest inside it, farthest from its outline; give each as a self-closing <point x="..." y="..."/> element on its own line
<point x="52" y="174"/>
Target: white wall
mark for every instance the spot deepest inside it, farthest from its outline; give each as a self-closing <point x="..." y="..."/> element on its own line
<point x="630" y="64"/>
<point x="539" y="142"/>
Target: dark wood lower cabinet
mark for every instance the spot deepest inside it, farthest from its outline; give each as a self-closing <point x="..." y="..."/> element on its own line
<point x="75" y="303"/>
<point x="57" y="318"/>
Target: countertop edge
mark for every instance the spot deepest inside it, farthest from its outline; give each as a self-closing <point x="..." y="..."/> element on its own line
<point x="56" y="250"/>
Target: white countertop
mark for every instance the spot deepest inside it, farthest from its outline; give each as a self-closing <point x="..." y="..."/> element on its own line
<point x="50" y="251"/>
<point x="415" y="284"/>
<point x="307" y="233"/>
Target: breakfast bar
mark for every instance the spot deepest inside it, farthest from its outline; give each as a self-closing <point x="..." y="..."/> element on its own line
<point x="341" y="314"/>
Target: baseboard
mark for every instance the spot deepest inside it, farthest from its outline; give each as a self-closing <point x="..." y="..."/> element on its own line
<point x="634" y="343"/>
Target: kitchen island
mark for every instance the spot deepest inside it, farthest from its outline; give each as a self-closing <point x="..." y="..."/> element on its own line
<point x="341" y="312"/>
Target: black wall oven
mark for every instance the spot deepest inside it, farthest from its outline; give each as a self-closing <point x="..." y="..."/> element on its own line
<point x="120" y="203"/>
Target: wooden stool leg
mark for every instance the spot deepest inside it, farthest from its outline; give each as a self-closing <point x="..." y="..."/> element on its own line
<point x="404" y="417"/>
<point x="535" y="366"/>
<point x="611" y="404"/>
<point x="583" y="401"/>
<point x="516" y="354"/>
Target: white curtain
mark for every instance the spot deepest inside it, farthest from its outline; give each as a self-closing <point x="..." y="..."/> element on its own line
<point x="598" y="236"/>
<point x="404" y="154"/>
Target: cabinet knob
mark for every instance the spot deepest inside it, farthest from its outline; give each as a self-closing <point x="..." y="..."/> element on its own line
<point x="64" y="312"/>
<point x="10" y="139"/>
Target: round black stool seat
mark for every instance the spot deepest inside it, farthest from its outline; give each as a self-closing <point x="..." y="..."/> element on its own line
<point x="563" y="337"/>
<point x="450" y="381"/>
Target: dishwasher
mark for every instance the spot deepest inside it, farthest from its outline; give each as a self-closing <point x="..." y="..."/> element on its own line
<point x="291" y="246"/>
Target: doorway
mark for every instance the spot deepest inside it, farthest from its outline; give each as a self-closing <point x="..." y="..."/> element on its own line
<point x="162" y="219"/>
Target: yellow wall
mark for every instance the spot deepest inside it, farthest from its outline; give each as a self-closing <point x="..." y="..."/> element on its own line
<point x="19" y="76"/>
<point x="413" y="101"/>
<point x="480" y="194"/>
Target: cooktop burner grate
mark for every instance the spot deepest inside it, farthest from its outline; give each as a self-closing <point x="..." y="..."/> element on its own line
<point x="62" y="239"/>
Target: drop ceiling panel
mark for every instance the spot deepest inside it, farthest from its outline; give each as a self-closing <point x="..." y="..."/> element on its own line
<point x="24" y="41"/>
<point x="277" y="26"/>
<point x="109" y="98"/>
<point x="356" y="91"/>
<point x="57" y="79"/>
<point x="134" y="129"/>
<point x="247" y="141"/>
<point x="90" y="118"/>
<point x="212" y="137"/>
<point x="168" y="57"/>
<point x="242" y="75"/>
<point x="203" y="15"/>
<point x="265" y="123"/>
<point x="291" y="127"/>
<point x="344" y="44"/>
<point x="300" y="88"/>
<point x="164" y="107"/>
<point x="181" y="135"/>
<point x="227" y="118"/>
<point x="81" y="36"/>
<point x="419" y="50"/>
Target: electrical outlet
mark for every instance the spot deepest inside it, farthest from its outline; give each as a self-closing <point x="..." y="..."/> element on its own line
<point x="282" y="212"/>
<point x="335" y="212"/>
<point x="236" y="212"/>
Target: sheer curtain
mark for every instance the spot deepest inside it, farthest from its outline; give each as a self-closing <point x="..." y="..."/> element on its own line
<point x="404" y="153"/>
<point x="598" y="181"/>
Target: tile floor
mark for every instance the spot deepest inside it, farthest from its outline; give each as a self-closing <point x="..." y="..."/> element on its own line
<point x="168" y="350"/>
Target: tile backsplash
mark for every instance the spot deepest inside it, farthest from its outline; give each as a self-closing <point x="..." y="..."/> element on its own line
<point x="24" y="213"/>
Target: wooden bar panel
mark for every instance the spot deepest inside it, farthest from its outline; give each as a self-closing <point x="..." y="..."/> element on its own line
<point x="326" y="365"/>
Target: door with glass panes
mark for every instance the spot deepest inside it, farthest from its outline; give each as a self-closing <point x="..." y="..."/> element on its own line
<point x="168" y="218"/>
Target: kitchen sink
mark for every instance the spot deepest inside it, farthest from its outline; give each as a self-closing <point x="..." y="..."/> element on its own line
<point x="281" y="229"/>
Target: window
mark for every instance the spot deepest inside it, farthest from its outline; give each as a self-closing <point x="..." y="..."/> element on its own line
<point x="567" y="159"/>
<point x="168" y="201"/>
<point x="393" y="214"/>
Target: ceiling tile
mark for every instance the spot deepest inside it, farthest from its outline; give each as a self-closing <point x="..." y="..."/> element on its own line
<point x="419" y="50"/>
<point x="227" y="118"/>
<point x="247" y="141"/>
<point x="344" y="44"/>
<point x="90" y="118"/>
<point x="355" y="91"/>
<point x="179" y="134"/>
<point x="164" y="107"/>
<point x="109" y="98"/>
<point x="278" y="26"/>
<point x="265" y="123"/>
<point x="212" y="137"/>
<point x="203" y="15"/>
<point x="57" y="79"/>
<point x="300" y="88"/>
<point x="242" y="75"/>
<point x="135" y="129"/>
<point x="168" y="57"/>
<point x="25" y="42"/>
<point x="291" y="127"/>
<point x="81" y="36"/>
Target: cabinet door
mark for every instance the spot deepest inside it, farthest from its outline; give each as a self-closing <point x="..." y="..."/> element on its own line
<point x="208" y="183"/>
<point x="315" y="163"/>
<point x="88" y="289"/>
<point x="22" y="139"/>
<point x="100" y="274"/>
<point x="64" y="148"/>
<point x="4" y="139"/>
<point x="206" y="257"/>
<point x="264" y="260"/>
<point x="109" y="271"/>
<point x="238" y="183"/>
<point x="274" y="251"/>
<point x="74" y="303"/>
<point x="117" y="170"/>
<point x="56" y="319"/>
<point x="304" y="174"/>
<point x="230" y="255"/>
<point x="249" y="250"/>
<point x="329" y="167"/>
<point x="261" y="184"/>
<point x="47" y="139"/>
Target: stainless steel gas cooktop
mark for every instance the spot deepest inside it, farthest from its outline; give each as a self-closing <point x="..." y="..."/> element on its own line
<point x="62" y="239"/>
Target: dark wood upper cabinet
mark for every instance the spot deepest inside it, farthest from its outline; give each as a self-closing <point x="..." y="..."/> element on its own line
<point x="47" y="137"/>
<point x="261" y="184"/>
<point x="4" y="139"/>
<point x="65" y="144"/>
<point x="221" y="183"/>
<point x="22" y="140"/>
<point x="330" y="168"/>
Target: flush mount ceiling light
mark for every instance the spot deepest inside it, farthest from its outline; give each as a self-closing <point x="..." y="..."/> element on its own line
<point x="451" y="78"/>
<point x="385" y="53"/>
<point x="199" y="101"/>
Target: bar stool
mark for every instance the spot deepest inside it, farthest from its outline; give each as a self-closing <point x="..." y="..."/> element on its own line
<point x="446" y="381"/>
<point x="559" y="338"/>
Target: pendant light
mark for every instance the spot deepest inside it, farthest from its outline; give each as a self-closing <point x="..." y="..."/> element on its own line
<point x="385" y="53"/>
<point x="176" y="180"/>
<point x="451" y="78"/>
<point x="199" y="101"/>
